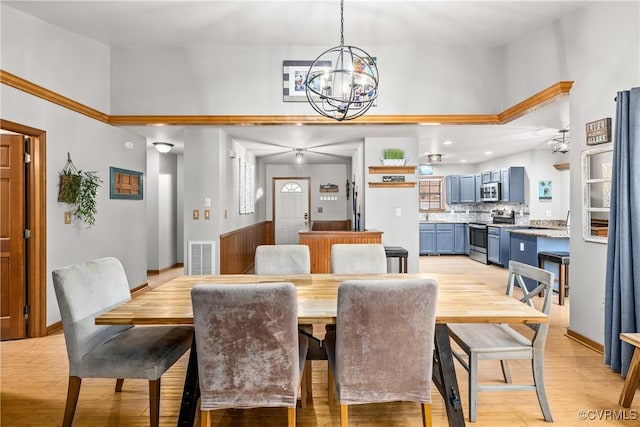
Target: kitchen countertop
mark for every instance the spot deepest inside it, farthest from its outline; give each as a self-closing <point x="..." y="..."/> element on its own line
<point x="553" y="233"/>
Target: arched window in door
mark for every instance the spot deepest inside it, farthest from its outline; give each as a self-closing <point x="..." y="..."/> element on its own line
<point x="291" y="187"/>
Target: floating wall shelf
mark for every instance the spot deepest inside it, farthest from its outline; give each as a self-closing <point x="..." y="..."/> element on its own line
<point x="392" y="169"/>
<point x="410" y="184"/>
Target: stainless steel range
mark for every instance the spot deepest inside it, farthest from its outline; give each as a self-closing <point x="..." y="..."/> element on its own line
<point x="478" y="233"/>
<point x="478" y="241"/>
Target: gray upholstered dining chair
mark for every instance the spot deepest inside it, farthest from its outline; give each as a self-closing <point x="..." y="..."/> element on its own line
<point x="282" y="259"/>
<point x="358" y="258"/>
<point x="382" y="347"/>
<point x="501" y="342"/>
<point x="248" y="347"/>
<point x="289" y="259"/>
<point x="84" y="291"/>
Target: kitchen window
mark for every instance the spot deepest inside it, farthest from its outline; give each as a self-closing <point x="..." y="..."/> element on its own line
<point x="596" y="177"/>
<point x="431" y="194"/>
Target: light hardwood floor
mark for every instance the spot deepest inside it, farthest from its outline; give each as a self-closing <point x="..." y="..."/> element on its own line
<point x="34" y="384"/>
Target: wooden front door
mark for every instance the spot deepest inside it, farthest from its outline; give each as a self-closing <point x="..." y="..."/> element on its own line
<point x="12" y="244"/>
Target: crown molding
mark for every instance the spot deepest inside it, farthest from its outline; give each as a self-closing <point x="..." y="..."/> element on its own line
<point x="532" y="103"/>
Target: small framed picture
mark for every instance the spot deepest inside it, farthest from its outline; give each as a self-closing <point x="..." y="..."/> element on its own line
<point x="125" y="184"/>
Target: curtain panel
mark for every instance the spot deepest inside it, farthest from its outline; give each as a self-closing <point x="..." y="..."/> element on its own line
<point x="622" y="290"/>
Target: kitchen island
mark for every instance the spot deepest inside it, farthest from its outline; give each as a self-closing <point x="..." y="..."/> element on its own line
<point x="320" y="238"/>
<point x="526" y="243"/>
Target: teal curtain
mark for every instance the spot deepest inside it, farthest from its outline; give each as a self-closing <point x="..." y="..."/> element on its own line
<point x="622" y="291"/>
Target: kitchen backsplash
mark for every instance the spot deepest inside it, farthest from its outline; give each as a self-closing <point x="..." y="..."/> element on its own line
<point x="476" y="212"/>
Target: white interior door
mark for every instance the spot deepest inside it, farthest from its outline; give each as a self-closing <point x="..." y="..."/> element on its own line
<point x="291" y="209"/>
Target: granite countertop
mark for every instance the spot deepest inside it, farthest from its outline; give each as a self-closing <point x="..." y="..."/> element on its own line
<point x="543" y="232"/>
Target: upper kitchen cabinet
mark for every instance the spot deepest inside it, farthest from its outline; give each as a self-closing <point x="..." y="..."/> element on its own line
<point x="468" y="192"/>
<point x="512" y="183"/>
<point x="452" y="189"/>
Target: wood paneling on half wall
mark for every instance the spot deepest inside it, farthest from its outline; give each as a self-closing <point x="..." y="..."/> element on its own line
<point x="320" y="242"/>
<point x="238" y="247"/>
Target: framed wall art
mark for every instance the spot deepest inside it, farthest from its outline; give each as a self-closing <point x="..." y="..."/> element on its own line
<point x="125" y="184"/>
<point x="294" y="76"/>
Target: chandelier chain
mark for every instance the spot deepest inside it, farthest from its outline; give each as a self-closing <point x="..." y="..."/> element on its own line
<point x="341" y="22"/>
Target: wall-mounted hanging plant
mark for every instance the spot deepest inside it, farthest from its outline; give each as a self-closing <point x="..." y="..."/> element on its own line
<point x="79" y="189"/>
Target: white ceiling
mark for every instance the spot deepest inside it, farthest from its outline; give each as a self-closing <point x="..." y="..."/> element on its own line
<point x="139" y="24"/>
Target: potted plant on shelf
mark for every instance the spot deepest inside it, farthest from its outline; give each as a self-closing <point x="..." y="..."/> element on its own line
<point x="79" y="189"/>
<point x="393" y="157"/>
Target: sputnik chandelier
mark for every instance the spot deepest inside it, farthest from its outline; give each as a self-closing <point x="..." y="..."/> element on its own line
<point x="342" y="83"/>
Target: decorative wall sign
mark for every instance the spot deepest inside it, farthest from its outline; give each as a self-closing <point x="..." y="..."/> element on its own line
<point x="393" y="178"/>
<point x="328" y="188"/>
<point x="125" y="184"/>
<point x="599" y="131"/>
<point x="544" y="190"/>
<point x="294" y="76"/>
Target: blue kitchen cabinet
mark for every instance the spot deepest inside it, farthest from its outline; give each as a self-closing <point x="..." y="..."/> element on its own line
<point x="486" y="177"/>
<point x="452" y="189"/>
<point x="427" y="239"/>
<point x="468" y="189"/>
<point x="496" y="175"/>
<point x="493" y="244"/>
<point x="512" y="184"/>
<point x="444" y="239"/>
<point x="459" y="238"/>
<point x="478" y="178"/>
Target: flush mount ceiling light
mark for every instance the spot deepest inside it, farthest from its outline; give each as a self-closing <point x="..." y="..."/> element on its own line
<point x="163" y="147"/>
<point x="299" y="156"/>
<point x="342" y="83"/>
<point x="560" y="144"/>
<point x="434" y="158"/>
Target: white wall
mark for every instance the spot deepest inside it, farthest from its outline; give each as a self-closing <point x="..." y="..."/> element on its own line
<point x="598" y="48"/>
<point x="202" y="179"/>
<point x="248" y="80"/>
<point x="382" y="204"/>
<point x="56" y="59"/>
<point x="31" y="49"/>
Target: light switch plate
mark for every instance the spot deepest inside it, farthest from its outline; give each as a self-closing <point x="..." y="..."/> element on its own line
<point x="207" y="202"/>
<point x="207" y="214"/>
<point x="67" y="217"/>
<point x="196" y="214"/>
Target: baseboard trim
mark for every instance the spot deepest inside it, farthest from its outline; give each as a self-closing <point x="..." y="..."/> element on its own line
<point x="587" y="342"/>
<point x="156" y="272"/>
<point x="54" y="328"/>
<point x="139" y="289"/>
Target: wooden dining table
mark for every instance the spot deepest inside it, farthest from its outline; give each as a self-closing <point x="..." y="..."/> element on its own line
<point x="461" y="299"/>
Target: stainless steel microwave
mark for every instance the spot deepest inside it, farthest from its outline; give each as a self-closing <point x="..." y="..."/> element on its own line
<point x="490" y="192"/>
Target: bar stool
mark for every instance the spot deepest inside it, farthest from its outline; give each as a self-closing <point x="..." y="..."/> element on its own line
<point x="562" y="259"/>
<point x="398" y="252"/>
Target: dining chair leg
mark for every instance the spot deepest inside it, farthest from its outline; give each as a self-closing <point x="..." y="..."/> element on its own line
<point x="537" y="364"/>
<point x="72" y="401"/>
<point x="119" y="383"/>
<point x="344" y="415"/>
<point x="305" y="385"/>
<point x="291" y="417"/>
<point x="308" y="372"/>
<point x="205" y="418"/>
<point x="505" y="371"/>
<point x="330" y="386"/>
<point x="473" y="387"/>
<point x="427" y="420"/>
<point x="154" y="403"/>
